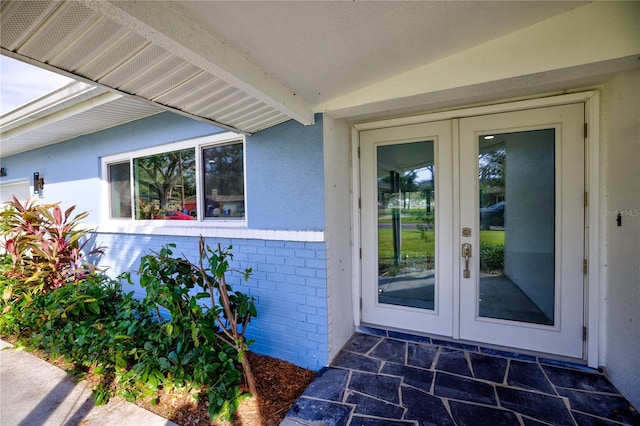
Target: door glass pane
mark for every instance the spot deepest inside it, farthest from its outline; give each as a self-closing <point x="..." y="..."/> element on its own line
<point x="406" y="219"/>
<point x="517" y="226"/>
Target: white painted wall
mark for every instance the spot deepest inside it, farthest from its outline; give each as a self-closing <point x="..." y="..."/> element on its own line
<point x="540" y="57"/>
<point x="337" y="191"/>
<point x="620" y="160"/>
<point x="19" y="188"/>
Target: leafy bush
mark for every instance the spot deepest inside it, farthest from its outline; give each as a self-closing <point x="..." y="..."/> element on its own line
<point x="491" y="258"/>
<point x="204" y="332"/>
<point x="134" y="348"/>
<point x="46" y="246"/>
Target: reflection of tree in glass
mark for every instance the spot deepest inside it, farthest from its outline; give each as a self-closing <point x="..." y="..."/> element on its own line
<point x="407" y="182"/>
<point x="491" y="170"/>
<point x="166" y="176"/>
<point x="223" y="170"/>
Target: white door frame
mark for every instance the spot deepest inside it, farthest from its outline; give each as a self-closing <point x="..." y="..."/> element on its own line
<point x="594" y="286"/>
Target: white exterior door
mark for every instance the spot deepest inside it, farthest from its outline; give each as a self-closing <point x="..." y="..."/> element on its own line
<point x="407" y="271"/>
<point x="474" y="228"/>
<point x="522" y="197"/>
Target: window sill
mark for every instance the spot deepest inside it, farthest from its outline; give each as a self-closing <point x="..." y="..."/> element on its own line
<point x="208" y="229"/>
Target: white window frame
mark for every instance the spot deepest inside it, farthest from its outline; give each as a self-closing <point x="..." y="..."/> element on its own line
<point x="169" y="227"/>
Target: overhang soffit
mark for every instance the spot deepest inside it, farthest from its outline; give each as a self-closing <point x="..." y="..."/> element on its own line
<point x="154" y="53"/>
<point x="598" y="37"/>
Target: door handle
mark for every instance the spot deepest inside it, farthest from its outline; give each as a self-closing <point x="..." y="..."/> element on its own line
<point x="466" y="253"/>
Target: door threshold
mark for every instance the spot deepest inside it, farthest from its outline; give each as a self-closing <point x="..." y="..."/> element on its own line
<point x="481" y="348"/>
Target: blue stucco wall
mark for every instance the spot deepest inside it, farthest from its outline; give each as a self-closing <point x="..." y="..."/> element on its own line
<point x="284" y="169"/>
<point x="71" y="169"/>
<point x="288" y="283"/>
<point x="285" y="177"/>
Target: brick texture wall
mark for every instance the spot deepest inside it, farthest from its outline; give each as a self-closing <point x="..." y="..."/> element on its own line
<point x="288" y="282"/>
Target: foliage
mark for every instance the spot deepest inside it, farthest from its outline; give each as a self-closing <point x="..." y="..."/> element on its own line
<point x="491" y="174"/>
<point x="223" y="166"/>
<point x="146" y="210"/>
<point x="428" y="221"/>
<point x="158" y="176"/>
<point x="46" y="245"/>
<point x="169" y="338"/>
<point x="205" y="333"/>
<point x="491" y="167"/>
<point x="491" y="258"/>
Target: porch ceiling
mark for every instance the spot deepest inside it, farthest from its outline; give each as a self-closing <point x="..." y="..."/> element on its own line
<point x="247" y="66"/>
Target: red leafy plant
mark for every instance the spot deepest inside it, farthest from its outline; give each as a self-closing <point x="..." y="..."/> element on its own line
<point x="46" y="245"/>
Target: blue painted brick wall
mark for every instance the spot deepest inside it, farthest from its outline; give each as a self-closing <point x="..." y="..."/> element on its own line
<point x="288" y="283"/>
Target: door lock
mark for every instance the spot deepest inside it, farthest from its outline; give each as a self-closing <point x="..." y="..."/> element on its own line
<point x="466" y="254"/>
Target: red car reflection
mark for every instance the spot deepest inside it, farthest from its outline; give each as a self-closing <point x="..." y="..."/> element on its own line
<point x="172" y="215"/>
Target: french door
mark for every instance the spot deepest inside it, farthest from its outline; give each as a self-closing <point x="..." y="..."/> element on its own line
<point x="473" y="228"/>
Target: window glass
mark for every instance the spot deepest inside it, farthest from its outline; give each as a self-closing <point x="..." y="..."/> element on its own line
<point x="165" y="185"/>
<point x="120" y="190"/>
<point x="223" y="181"/>
<point x="201" y="179"/>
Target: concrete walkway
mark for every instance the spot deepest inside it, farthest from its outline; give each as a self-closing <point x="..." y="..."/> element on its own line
<point x="34" y="392"/>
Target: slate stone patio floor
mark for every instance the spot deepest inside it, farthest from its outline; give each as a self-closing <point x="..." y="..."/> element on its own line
<point x="386" y="378"/>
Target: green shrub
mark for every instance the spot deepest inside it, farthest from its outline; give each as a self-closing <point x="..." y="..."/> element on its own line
<point x="128" y="344"/>
<point x="205" y="331"/>
<point x="491" y="258"/>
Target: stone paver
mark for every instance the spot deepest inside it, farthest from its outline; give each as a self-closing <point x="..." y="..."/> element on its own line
<point x="389" y="378"/>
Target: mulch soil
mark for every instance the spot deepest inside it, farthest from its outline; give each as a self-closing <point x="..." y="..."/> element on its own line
<point x="279" y="385"/>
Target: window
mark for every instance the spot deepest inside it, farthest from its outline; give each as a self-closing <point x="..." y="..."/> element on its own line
<point x="163" y="183"/>
<point x="120" y="193"/>
<point x="223" y="181"/>
<point x="202" y="179"/>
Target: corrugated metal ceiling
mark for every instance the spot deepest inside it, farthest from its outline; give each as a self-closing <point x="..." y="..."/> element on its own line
<point x="79" y="38"/>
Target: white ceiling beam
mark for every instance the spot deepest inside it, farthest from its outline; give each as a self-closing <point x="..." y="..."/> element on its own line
<point x="166" y="25"/>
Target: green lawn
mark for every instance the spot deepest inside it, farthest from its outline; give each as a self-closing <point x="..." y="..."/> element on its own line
<point x="412" y="243"/>
<point x="494" y="238"/>
<point x="414" y="246"/>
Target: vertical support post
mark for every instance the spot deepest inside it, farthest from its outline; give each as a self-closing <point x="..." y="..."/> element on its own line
<point x="396" y="220"/>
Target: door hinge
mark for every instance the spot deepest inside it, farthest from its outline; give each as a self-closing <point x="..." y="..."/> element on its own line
<point x="586" y="199"/>
<point x="361" y="303"/>
<point x="584" y="333"/>
<point x="586" y="130"/>
<point x="585" y="266"/>
<point x="360" y="252"/>
<point x="358" y="152"/>
<point x="360" y="203"/>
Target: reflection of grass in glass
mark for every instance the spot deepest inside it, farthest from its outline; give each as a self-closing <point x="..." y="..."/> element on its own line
<point x="495" y="238"/>
<point x="411" y="216"/>
<point x="413" y="243"/>
<point x="415" y="249"/>
<point x="492" y="252"/>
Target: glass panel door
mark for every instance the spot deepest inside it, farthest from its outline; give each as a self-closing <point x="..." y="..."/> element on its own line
<point x="406" y="215"/>
<point x="516" y="181"/>
<point x="480" y="236"/>
<point x="521" y="200"/>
